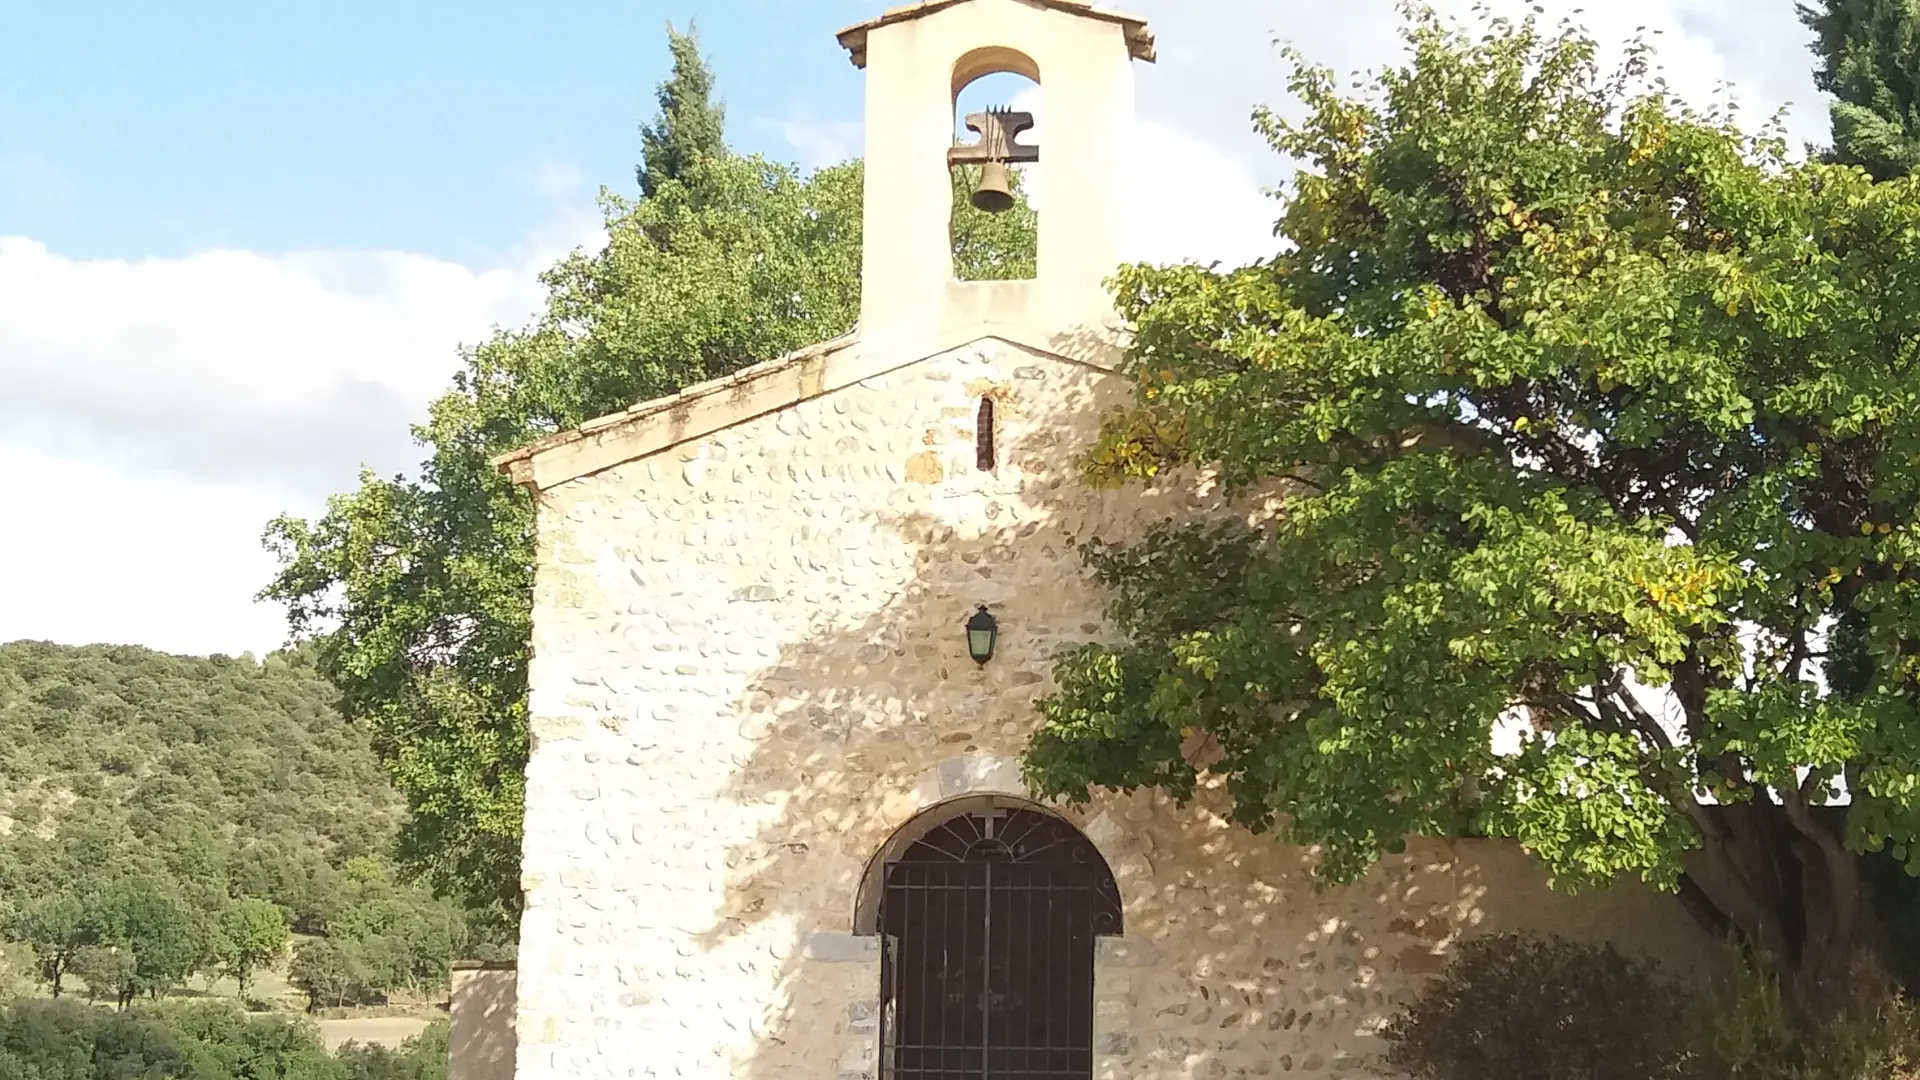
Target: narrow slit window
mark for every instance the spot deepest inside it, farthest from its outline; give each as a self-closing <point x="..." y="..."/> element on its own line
<point x="983" y="436"/>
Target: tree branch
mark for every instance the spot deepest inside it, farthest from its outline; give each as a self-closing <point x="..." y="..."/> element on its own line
<point x="1645" y="721"/>
<point x="1712" y="831"/>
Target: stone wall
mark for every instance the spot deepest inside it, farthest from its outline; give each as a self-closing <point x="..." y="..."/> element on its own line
<point x="480" y="1032"/>
<point x="749" y="670"/>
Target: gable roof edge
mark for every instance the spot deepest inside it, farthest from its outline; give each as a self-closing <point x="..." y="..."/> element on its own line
<point x="1140" y="43"/>
<point x="653" y="426"/>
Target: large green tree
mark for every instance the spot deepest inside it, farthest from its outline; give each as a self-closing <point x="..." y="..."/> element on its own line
<point x="57" y="928"/>
<point x="54" y="901"/>
<point x="420" y="586"/>
<point x="106" y="969"/>
<point x="152" y="917"/>
<point x="250" y="935"/>
<point x="1588" y="419"/>
<point x="1870" y="62"/>
<point x="327" y="973"/>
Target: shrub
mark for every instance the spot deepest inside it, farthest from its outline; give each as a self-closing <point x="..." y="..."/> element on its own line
<point x="1743" y="1030"/>
<point x="1522" y="1008"/>
<point x="423" y="1057"/>
<point x="329" y="975"/>
<point x="48" y="1039"/>
<point x="64" y="1040"/>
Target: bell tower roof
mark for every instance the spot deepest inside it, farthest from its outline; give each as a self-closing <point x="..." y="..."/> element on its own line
<point x="1139" y="37"/>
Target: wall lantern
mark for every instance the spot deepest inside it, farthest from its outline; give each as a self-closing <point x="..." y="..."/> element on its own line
<point x="982" y="629"/>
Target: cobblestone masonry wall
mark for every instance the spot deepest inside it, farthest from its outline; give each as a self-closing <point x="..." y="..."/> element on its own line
<point x="749" y="670"/>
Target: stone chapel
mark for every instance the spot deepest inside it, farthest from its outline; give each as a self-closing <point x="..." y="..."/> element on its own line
<point x="775" y="822"/>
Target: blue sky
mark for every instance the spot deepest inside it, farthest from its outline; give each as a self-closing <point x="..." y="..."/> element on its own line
<point x="140" y="129"/>
<point x="242" y="244"/>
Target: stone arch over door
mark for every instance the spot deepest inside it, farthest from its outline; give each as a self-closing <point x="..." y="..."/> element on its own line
<point x="989" y="908"/>
<point x="950" y="788"/>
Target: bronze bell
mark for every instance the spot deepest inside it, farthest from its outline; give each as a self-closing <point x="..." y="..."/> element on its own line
<point x="998" y="147"/>
<point x="993" y="194"/>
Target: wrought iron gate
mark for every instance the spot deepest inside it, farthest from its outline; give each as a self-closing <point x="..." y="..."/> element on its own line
<point x="987" y="926"/>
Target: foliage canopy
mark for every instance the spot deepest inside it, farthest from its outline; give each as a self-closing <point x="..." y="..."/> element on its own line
<point x="60" y="1040"/>
<point x="1588" y="418"/>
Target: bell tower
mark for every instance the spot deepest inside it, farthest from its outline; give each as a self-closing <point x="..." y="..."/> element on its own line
<point x="918" y="58"/>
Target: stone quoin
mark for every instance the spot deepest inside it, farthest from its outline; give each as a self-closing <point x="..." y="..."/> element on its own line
<point x="752" y="697"/>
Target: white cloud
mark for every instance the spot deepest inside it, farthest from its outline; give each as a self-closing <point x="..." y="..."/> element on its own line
<point x="154" y="414"/>
<point x="1203" y="205"/>
<point x="91" y="552"/>
<point x="293" y="368"/>
<point x="1220" y="59"/>
<point x="817" y="141"/>
<point x="557" y="180"/>
<point x="1193" y="202"/>
<point x="573" y="220"/>
<point x="236" y="364"/>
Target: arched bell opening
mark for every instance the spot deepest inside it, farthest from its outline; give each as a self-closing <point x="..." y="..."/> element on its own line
<point x="995" y="165"/>
<point x="988" y="909"/>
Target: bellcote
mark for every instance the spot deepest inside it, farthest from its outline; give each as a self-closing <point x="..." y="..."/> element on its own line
<point x="917" y="59"/>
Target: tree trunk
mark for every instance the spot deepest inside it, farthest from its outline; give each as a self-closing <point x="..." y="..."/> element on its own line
<point x="1777" y="874"/>
<point x="1834" y="897"/>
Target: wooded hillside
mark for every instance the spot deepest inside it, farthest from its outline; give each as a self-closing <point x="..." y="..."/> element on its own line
<point x="252" y="750"/>
<point x="166" y="817"/>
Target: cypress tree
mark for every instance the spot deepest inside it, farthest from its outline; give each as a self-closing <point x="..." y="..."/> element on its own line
<point x="691" y="126"/>
<point x="1870" y="60"/>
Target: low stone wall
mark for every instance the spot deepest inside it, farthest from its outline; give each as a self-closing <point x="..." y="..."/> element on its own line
<point x="481" y="1039"/>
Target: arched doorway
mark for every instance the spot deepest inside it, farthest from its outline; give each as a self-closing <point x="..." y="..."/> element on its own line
<point x="988" y="922"/>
